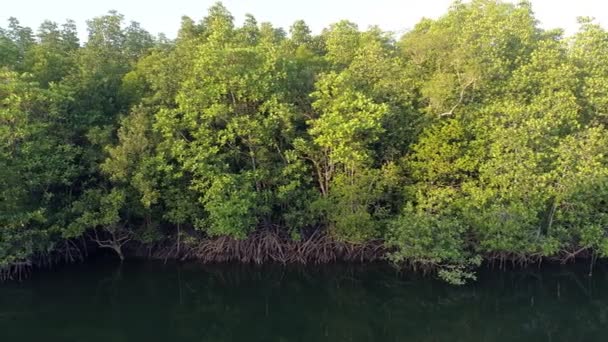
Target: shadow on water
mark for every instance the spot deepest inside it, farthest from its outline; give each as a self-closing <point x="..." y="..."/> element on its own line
<point x="149" y="301"/>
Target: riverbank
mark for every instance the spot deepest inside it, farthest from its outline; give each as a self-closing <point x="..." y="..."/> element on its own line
<point x="266" y="246"/>
<point x="270" y="247"/>
<point x="260" y="247"/>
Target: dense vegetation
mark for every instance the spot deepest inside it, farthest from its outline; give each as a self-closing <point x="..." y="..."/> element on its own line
<point x="475" y="136"/>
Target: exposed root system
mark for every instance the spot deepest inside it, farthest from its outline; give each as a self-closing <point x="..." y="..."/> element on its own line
<point x="268" y="246"/>
<point x="68" y="251"/>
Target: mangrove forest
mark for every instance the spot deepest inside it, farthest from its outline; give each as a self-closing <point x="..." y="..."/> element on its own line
<point x="475" y="138"/>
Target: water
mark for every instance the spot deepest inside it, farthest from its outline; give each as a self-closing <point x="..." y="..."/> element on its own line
<point x="148" y="301"/>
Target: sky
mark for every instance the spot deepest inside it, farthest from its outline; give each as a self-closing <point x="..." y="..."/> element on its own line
<point x="397" y="16"/>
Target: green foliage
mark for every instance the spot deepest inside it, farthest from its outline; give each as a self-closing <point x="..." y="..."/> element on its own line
<point x="231" y="206"/>
<point x="475" y="135"/>
<point x="428" y="238"/>
<point x="37" y="165"/>
<point x="96" y="209"/>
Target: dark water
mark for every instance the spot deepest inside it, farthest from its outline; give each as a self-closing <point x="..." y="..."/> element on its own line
<point x="144" y="301"/>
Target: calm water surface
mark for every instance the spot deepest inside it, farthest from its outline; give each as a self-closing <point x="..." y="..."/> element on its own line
<point x="148" y="301"/>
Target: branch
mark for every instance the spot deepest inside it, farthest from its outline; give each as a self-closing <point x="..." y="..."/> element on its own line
<point x="461" y="98"/>
<point x="113" y="242"/>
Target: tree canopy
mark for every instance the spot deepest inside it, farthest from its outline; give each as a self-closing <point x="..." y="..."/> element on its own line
<point x="475" y="136"/>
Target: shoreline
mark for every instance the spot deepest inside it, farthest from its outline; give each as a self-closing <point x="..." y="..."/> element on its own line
<point x="266" y="247"/>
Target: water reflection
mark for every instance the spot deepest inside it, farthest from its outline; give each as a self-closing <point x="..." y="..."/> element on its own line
<point x="156" y="302"/>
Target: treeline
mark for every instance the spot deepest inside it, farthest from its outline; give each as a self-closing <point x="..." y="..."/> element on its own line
<point x="475" y="136"/>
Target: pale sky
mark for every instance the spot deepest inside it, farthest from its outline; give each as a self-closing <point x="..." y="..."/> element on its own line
<point x="391" y="15"/>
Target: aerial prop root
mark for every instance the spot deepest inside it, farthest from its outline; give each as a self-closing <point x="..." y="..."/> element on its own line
<point x="269" y="245"/>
